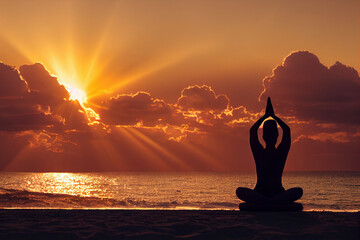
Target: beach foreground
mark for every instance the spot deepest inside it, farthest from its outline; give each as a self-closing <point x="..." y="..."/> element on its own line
<point x="180" y="224"/>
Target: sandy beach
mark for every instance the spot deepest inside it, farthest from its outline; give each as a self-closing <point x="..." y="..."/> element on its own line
<point x="176" y="224"/>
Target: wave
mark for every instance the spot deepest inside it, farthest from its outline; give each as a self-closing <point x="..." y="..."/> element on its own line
<point x="15" y="198"/>
<point x="10" y="198"/>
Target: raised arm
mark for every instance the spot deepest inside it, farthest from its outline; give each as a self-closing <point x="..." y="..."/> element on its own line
<point x="286" y="138"/>
<point x="254" y="139"/>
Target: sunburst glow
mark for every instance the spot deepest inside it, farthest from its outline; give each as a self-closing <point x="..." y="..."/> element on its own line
<point x="76" y="94"/>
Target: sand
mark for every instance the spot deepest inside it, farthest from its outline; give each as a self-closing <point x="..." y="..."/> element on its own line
<point x="176" y="224"/>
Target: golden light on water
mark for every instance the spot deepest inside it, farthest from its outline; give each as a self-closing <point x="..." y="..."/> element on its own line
<point x="63" y="183"/>
<point x="76" y="184"/>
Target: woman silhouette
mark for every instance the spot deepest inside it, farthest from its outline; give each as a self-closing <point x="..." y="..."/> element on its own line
<point x="270" y="162"/>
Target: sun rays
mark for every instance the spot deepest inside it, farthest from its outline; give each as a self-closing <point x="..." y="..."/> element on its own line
<point x="88" y="69"/>
<point x="87" y="63"/>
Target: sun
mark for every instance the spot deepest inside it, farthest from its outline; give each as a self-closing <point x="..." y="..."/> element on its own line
<point x="79" y="95"/>
<point x="76" y="94"/>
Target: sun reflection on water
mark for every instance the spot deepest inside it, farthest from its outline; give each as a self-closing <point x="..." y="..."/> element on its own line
<point x="66" y="183"/>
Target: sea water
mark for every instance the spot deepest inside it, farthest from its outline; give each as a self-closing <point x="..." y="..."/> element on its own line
<point x="330" y="191"/>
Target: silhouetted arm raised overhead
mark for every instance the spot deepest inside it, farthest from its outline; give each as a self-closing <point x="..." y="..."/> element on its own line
<point x="286" y="138"/>
<point x="254" y="139"/>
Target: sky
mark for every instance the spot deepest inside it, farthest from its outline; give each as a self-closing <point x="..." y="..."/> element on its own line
<point x="176" y="85"/>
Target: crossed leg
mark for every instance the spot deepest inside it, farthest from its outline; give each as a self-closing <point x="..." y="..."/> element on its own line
<point x="289" y="196"/>
<point x="251" y="196"/>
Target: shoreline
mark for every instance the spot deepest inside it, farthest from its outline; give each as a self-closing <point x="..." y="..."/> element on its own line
<point x="169" y="209"/>
<point x="178" y="224"/>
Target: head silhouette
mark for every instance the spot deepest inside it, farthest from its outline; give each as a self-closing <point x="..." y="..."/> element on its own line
<point x="270" y="132"/>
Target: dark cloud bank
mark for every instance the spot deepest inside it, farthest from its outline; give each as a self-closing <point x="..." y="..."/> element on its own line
<point x="305" y="88"/>
<point x="41" y="129"/>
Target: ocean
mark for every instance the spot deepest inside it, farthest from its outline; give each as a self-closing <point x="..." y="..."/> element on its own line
<point x="329" y="191"/>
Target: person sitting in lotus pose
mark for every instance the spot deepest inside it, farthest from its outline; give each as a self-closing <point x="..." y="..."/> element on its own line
<point x="270" y="162"/>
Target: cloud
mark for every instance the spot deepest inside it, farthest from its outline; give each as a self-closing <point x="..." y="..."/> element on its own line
<point x="32" y="99"/>
<point x="17" y="111"/>
<point x="303" y="87"/>
<point x="40" y="81"/>
<point x="339" y="137"/>
<point x="130" y="109"/>
<point x="322" y="105"/>
<point x="11" y="85"/>
<point x="197" y="109"/>
<point x="45" y="140"/>
<point x="202" y="98"/>
<point x="46" y="91"/>
<point x="201" y="131"/>
<point x="24" y="117"/>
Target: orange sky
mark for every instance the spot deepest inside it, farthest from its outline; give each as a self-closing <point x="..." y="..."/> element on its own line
<point x="127" y="46"/>
<point x="99" y="50"/>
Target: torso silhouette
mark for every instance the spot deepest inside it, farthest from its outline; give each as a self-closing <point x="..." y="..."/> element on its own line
<point x="270" y="161"/>
<point x="269" y="168"/>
